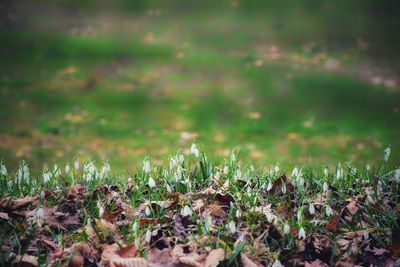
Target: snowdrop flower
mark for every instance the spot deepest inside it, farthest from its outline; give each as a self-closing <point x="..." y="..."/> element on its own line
<point x="269" y="187"/>
<point x="151" y="183"/>
<point x="148" y="236"/>
<point x="326" y="171"/>
<point x="311" y="209"/>
<point x="233" y="157"/>
<point x="172" y="163"/>
<point x="67" y="168"/>
<point x="299" y="215"/>
<point x="217" y="175"/>
<point x="76" y="164"/>
<point x="238" y="174"/>
<point x="147" y="211"/>
<point x="283" y="189"/>
<point x="3" y="169"/>
<point x="367" y="167"/>
<point x="339" y="173"/>
<point x="276" y="169"/>
<point x="19" y="175"/>
<point x="135" y="227"/>
<point x="226" y="169"/>
<point x="277" y="263"/>
<point x="397" y="175"/>
<point x="232" y="227"/>
<point x="302" y="233"/>
<point x="100" y="208"/>
<point x="146" y="166"/>
<point x="186" y="211"/>
<point x="325" y="186"/>
<point x="194" y="150"/>
<point x="39" y="217"/>
<point x="286" y="229"/>
<point x="386" y="154"/>
<point x="46" y="176"/>
<point x="238" y="213"/>
<point x="42" y="195"/>
<point x="328" y="211"/>
<point x="181" y="158"/>
<point x="295" y="172"/>
<point x="105" y="170"/>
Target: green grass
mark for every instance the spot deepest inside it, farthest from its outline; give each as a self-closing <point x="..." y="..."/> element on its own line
<point x="118" y="93"/>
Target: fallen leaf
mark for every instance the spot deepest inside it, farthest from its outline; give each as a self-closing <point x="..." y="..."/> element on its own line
<point x="214" y="257"/>
<point x="25" y="261"/>
<point x="248" y="262"/>
<point x="316" y="263"/>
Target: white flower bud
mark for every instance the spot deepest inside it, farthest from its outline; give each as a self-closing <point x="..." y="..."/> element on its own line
<point x="67" y="168"/>
<point x="311" y="209"/>
<point x="232" y="227"/>
<point x="147" y="211"/>
<point x="148" y="236"/>
<point x="186" y="211"/>
<point x="325" y="187"/>
<point x="76" y="164"/>
<point x="146" y="166"/>
<point x="226" y="169"/>
<point x="302" y="233"/>
<point x="386" y="154"/>
<point x="151" y="183"/>
<point x="328" y="210"/>
<point x="286" y="229"/>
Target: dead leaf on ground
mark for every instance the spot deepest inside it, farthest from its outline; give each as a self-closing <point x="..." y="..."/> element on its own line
<point x="25" y="261"/>
<point x="248" y="262"/>
<point x="214" y="257"/>
<point x="316" y="263"/>
<point x="12" y="203"/>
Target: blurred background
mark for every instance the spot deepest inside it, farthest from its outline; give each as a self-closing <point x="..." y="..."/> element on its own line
<point x="293" y="82"/>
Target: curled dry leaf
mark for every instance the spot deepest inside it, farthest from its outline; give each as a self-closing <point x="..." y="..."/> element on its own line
<point x="316" y="263"/>
<point x="214" y="257"/>
<point x="193" y="260"/>
<point x="126" y="257"/>
<point x="25" y="261"/>
<point x="4" y="216"/>
<point x="12" y="203"/>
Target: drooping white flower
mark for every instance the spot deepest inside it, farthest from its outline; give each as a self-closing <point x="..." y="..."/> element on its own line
<point x="169" y="189"/>
<point x="181" y="158"/>
<point x="194" y="150"/>
<point x="302" y="233"/>
<point x="146" y="166"/>
<point x="105" y="170"/>
<point x="238" y="213"/>
<point x="269" y="187"/>
<point x="339" y="173"/>
<point x="367" y="167"/>
<point x="397" y="175"/>
<point x="276" y="168"/>
<point x="76" y="164"/>
<point x="172" y="163"/>
<point x="233" y="157"/>
<point x="151" y="183"/>
<point x="186" y="211"/>
<point x="3" y="169"/>
<point x="148" y="236"/>
<point x="325" y="187"/>
<point x="42" y="195"/>
<point x="311" y="209"/>
<point x="46" y="176"/>
<point x="386" y="154"/>
<point x="299" y="215"/>
<point x="226" y="169"/>
<point x="147" y="211"/>
<point x="283" y="188"/>
<point x="67" y="168"/>
<point x="328" y="210"/>
<point x="295" y="172"/>
<point x="217" y="175"/>
<point x="277" y="263"/>
<point x="286" y="229"/>
<point x="232" y="227"/>
<point x="135" y="227"/>
<point x="326" y="171"/>
<point x="101" y="209"/>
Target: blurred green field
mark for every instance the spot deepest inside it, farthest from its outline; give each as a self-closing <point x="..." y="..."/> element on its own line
<point x="290" y="82"/>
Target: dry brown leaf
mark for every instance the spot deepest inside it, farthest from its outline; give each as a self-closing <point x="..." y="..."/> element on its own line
<point x="25" y="261"/>
<point x="190" y="261"/>
<point x="163" y="258"/>
<point x="125" y="257"/>
<point x="248" y="262"/>
<point x="316" y="263"/>
<point x="11" y="203"/>
<point x="352" y="206"/>
<point x="214" y="257"/>
<point x="4" y="216"/>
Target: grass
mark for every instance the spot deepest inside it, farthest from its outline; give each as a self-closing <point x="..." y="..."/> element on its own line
<point x="103" y="85"/>
<point x="267" y="214"/>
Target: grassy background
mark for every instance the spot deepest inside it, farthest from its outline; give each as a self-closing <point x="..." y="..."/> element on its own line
<point x="286" y="81"/>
